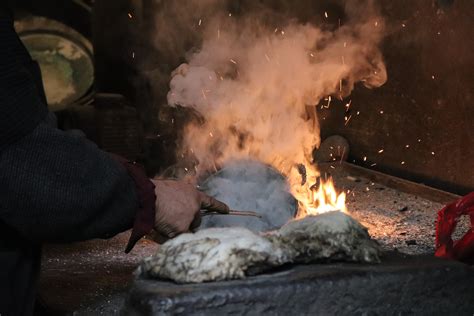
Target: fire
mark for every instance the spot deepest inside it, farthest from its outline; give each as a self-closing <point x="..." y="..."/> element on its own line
<point x="316" y="199"/>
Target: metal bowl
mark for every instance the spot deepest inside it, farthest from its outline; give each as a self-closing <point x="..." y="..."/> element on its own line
<point x="250" y="186"/>
<point x="64" y="56"/>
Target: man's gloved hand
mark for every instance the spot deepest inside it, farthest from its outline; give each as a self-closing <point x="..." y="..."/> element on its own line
<point x="178" y="206"/>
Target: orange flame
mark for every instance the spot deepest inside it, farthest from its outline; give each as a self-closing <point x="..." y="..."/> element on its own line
<point x="321" y="199"/>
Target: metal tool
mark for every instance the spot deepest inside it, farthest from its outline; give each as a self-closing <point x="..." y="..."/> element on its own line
<point x="233" y="212"/>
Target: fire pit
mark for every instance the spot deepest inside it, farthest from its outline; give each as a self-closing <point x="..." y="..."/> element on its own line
<point x="402" y="223"/>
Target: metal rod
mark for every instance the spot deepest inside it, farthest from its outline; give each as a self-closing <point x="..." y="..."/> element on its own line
<point x="236" y="213"/>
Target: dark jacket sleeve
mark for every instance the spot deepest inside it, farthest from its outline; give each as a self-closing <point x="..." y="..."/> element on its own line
<point x="55" y="187"/>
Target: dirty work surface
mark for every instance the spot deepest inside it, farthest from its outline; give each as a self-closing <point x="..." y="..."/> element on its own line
<point x="399" y="221"/>
<point x="92" y="276"/>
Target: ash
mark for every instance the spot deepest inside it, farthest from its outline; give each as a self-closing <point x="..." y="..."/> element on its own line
<point x="250" y="186"/>
<point x="232" y="253"/>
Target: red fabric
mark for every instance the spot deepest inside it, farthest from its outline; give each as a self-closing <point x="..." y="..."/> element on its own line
<point x="145" y="218"/>
<point x="462" y="249"/>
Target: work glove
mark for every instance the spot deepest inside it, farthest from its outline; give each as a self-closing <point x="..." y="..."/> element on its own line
<point x="178" y="208"/>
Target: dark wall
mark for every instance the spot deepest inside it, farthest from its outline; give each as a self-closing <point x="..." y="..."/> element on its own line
<point x="423" y="117"/>
<point x="427" y="102"/>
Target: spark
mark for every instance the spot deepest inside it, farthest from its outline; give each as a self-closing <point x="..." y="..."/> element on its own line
<point x="376" y="23"/>
<point x="200" y="21"/>
<point x="210" y="134"/>
<point x="282" y="32"/>
<point x="403" y="162"/>
<point x="326" y="14"/>
<point x="342" y="156"/>
<point x="311" y="54"/>
<point x="233" y="61"/>
<point x="381" y="111"/>
<point x="130" y="16"/>
<point x="407" y="146"/>
<point x="403" y="25"/>
<point x="419" y="140"/>
<point x="347" y="119"/>
<point x="380" y="151"/>
<point x="230" y="14"/>
<point x="365" y="158"/>
<point x="133" y="55"/>
<point x="348" y="105"/>
<point x="432" y="77"/>
<point x="345" y="44"/>
<point x="373" y="165"/>
<point x="433" y="153"/>
<point x="358" y="112"/>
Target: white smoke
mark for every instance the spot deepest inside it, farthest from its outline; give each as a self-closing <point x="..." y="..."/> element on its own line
<point x="257" y="85"/>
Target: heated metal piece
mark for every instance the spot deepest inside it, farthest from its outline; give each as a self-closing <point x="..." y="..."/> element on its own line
<point x="233" y="212"/>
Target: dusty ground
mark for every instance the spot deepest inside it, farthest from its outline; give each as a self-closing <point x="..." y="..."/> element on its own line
<point x="398" y="220"/>
<point x="90" y="277"/>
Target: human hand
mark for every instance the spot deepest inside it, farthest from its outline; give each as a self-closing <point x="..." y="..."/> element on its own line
<point x="178" y="206"/>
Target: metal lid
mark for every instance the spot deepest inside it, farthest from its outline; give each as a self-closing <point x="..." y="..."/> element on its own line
<point x="64" y="56"/>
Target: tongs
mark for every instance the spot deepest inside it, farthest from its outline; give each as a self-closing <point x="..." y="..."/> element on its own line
<point x="232" y="212"/>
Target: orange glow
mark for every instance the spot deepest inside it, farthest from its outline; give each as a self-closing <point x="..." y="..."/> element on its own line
<point x="316" y="200"/>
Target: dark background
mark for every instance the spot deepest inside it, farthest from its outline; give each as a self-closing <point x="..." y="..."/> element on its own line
<point x="422" y="118"/>
<point x="427" y="102"/>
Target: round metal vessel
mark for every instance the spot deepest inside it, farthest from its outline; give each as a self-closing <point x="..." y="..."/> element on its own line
<point x="64" y="56"/>
<point x="250" y="186"/>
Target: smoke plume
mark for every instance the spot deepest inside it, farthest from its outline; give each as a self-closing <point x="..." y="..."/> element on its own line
<point x="255" y="73"/>
<point x="256" y="79"/>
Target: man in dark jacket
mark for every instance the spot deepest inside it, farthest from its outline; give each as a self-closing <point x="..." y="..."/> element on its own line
<point x="57" y="187"/>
